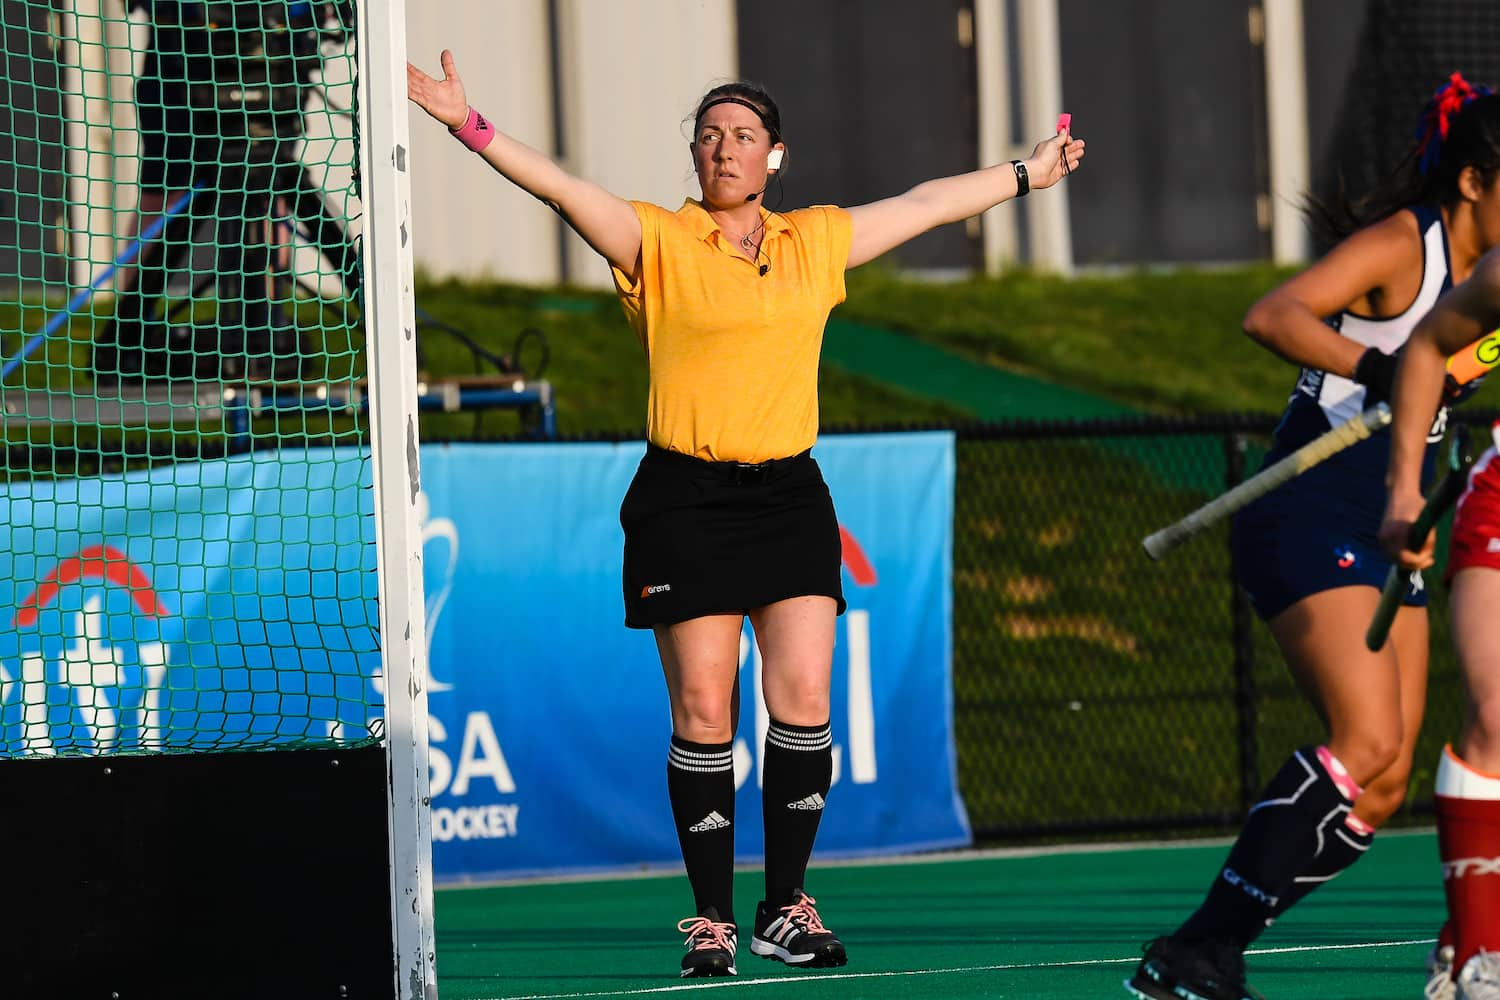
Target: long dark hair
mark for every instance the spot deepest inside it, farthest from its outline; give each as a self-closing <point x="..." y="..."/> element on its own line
<point x="1459" y="128"/>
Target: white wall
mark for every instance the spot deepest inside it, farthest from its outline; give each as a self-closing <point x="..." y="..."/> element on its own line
<point x="468" y="221"/>
<point x="327" y="153"/>
<point x="632" y="71"/>
<point x="96" y="80"/>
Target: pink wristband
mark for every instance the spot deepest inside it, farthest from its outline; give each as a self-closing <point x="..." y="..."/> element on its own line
<point x="476" y="132"/>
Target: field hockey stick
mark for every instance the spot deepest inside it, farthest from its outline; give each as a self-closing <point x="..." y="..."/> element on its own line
<point x="1444" y="495"/>
<point x="1476" y="360"/>
<point x="1322" y="447"/>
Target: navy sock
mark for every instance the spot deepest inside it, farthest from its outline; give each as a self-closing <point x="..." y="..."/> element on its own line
<point x="797" y="771"/>
<point x="700" y="783"/>
<point x="1278" y="842"/>
<point x="1340" y="848"/>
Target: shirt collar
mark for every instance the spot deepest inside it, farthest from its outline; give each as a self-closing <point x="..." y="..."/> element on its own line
<point x="704" y="227"/>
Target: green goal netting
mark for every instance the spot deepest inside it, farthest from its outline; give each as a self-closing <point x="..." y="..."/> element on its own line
<point x="209" y="518"/>
<point x="187" y="529"/>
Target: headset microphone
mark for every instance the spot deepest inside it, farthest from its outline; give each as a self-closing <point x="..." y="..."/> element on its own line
<point x="773" y="162"/>
<point x="763" y="269"/>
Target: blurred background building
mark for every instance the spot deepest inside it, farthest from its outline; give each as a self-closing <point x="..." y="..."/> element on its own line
<point x="1207" y="123"/>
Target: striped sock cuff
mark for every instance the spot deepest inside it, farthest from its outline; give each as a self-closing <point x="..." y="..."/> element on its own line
<point x="1342" y="779"/>
<point x="1356" y="833"/>
<point x="1458" y="779"/>
<point x="799" y="738"/>
<point x="701" y="758"/>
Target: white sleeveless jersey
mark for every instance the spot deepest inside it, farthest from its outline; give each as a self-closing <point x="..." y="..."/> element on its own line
<point x="1350" y="486"/>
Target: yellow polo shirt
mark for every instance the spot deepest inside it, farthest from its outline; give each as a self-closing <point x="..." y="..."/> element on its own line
<point x="733" y="354"/>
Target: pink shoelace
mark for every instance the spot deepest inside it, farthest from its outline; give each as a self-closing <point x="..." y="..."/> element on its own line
<point x="803" y="915"/>
<point x="703" y="934"/>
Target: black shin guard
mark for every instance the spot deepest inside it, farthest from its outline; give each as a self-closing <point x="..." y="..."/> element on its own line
<point x="700" y="783"/>
<point x="1279" y="841"/>
<point x="797" y="772"/>
<point x="1338" y="848"/>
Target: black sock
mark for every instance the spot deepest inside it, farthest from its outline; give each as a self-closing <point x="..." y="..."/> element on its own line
<point x="700" y="783"/>
<point x="1341" y="847"/>
<point x="797" y="770"/>
<point x="1278" y="842"/>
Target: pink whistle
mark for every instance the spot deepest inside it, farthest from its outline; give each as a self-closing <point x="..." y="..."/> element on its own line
<point x="1064" y="122"/>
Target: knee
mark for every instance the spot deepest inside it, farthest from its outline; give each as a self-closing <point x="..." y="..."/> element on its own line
<point x="1369" y="755"/>
<point x="798" y="704"/>
<point x="1384" y="795"/>
<point x="702" y="716"/>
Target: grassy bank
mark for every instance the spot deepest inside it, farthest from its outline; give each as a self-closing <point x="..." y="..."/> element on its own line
<point x="1164" y="342"/>
<point x="1167" y="341"/>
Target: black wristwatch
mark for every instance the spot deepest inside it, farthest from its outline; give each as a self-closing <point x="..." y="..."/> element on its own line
<point x="1023" y="182"/>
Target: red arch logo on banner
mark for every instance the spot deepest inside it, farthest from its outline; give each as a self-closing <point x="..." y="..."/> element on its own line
<point x="97" y="562"/>
<point x="855" y="561"/>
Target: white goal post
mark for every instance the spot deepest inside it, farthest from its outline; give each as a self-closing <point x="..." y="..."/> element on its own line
<point x="390" y="321"/>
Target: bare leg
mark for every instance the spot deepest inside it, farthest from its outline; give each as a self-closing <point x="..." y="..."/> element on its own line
<point x="796" y="642"/>
<point x="700" y="660"/>
<point x="1296" y="836"/>
<point x="1385" y="793"/>
<point x="1475" y="596"/>
<point x="1356" y="691"/>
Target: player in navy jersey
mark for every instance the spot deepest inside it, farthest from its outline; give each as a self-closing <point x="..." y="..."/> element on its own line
<point x="1309" y="553"/>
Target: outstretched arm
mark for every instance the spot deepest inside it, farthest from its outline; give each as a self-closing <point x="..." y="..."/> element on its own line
<point x="606" y="222"/>
<point x="886" y="224"/>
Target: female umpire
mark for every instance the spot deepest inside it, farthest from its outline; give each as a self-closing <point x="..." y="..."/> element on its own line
<point x="728" y="515"/>
<point x="1309" y="553"/>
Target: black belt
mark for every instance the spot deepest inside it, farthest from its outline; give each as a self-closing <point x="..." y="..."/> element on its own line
<point x="733" y="473"/>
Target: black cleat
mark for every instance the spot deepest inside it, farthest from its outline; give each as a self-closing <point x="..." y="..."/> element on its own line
<point x="710" y="944"/>
<point x="1173" y="969"/>
<point x="795" y="935"/>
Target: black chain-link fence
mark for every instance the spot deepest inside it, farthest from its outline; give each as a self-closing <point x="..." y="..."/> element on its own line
<point x="1098" y="691"/>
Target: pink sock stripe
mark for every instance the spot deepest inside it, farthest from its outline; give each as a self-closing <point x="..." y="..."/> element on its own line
<point x="1340" y="775"/>
<point x="476" y="132"/>
<point x="1358" y="825"/>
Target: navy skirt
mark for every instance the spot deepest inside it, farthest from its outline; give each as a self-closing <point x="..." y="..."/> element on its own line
<point x="704" y="538"/>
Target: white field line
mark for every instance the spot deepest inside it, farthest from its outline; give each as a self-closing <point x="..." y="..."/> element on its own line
<point x="723" y="984"/>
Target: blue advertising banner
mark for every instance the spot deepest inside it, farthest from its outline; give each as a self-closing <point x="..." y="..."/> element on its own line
<point x="214" y="605"/>
<point x="221" y="605"/>
<point x="549" y="717"/>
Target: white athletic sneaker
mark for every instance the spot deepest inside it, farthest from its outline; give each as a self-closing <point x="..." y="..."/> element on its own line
<point x="1480" y="977"/>
<point x="1440" y="985"/>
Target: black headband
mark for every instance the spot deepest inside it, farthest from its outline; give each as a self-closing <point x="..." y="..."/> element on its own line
<point x="775" y="132"/>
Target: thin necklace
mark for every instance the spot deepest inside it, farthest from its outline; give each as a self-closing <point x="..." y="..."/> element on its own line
<point x="748" y="240"/>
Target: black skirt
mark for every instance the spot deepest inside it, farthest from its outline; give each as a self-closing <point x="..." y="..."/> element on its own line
<point x="704" y="538"/>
